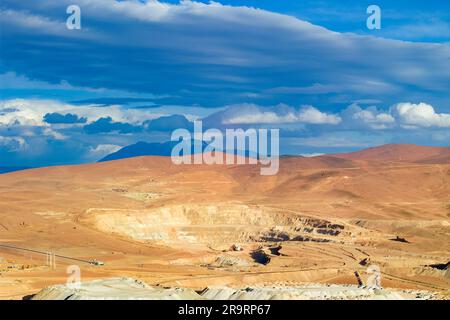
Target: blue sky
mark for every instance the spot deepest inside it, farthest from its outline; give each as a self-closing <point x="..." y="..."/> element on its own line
<point x="136" y="69"/>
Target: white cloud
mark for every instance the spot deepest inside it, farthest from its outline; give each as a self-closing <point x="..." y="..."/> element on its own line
<point x="311" y="155"/>
<point x="422" y="114"/>
<point x="12" y="80"/>
<point x="312" y="115"/>
<point x="30" y="21"/>
<point x="32" y="111"/>
<point x="54" y="134"/>
<point x="261" y="117"/>
<point x="102" y="150"/>
<point x="39" y="24"/>
<point x="13" y="143"/>
<point x="243" y="36"/>
<point x="370" y="116"/>
<point x="254" y="114"/>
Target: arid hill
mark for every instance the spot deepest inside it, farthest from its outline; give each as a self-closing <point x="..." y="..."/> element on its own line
<point x="401" y="153"/>
<point x="319" y="220"/>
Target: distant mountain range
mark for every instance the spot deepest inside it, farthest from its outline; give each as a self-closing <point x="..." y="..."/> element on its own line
<point x="12" y="169"/>
<point x="151" y="149"/>
<point x="386" y="153"/>
<point x="142" y="149"/>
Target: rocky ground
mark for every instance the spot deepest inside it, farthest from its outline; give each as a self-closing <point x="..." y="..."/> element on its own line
<point x="126" y="288"/>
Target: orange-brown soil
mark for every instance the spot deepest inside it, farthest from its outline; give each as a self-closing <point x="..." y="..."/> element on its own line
<point x="319" y="220"/>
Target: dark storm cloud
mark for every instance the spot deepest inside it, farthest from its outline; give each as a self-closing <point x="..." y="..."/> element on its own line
<point x="106" y="124"/>
<point x="55" y="117"/>
<point x="211" y="54"/>
<point x="169" y="123"/>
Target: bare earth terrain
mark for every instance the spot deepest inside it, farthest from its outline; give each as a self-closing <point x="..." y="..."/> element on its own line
<point x="321" y="220"/>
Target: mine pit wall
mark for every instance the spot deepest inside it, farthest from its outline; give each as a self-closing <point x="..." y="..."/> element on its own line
<point x="212" y="224"/>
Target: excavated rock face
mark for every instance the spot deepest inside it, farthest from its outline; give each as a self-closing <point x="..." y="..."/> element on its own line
<point x="114" y="289"/>
<point x="130" y="289"/>
<point x="212" y="224"/>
